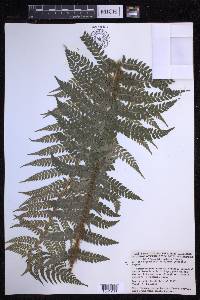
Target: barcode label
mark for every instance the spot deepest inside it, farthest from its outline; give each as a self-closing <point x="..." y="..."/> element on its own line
<point x="109" y="288"/>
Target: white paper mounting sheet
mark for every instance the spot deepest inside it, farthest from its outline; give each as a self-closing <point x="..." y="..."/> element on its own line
<point x="164" y="221"/>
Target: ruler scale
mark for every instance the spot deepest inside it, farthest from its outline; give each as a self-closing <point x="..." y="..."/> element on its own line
<point x="62" y="11"/>
<point x="46" y="12"/>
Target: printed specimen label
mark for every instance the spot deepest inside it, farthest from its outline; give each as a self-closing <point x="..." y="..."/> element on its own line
<point x="163" y="273"/>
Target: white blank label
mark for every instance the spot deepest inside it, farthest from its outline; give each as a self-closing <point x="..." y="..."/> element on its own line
<point x="172" y="51"/>
<point x="181" y="50"/>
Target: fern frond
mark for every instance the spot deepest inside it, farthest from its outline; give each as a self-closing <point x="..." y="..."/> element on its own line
<point x="54" y="247"/>
<point x="59" y="236"/>
<point x="91" y="257"/>
<point x="50" y="190"/>
<point x="31" y="225"/>
<point x="37" y="214"/>
<point x="34" y="204"/>
<point x="19" y="248"/>
<point x="50" y="138"/>
<point x="54" y="127"/>
<point x="23" y="239"/>
<point x="63" y="86"/>
<point x="60" y="273"/>
<point x="120" y="189"/>
<point x="139" y="66"/>
<point x="97" y="239"/>
<point x="47" y="162"/>
<point x="46" y="174"/>
<point x="104" y="209"/>
<point x="101" y="223"/>
<point x="102" y="99"/>
<point x="54" y="149"/>
<point x="127" y="157"/>
<point x="141" y="134"/>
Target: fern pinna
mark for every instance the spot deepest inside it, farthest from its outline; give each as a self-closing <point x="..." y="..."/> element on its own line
<point x="102" y="99"/>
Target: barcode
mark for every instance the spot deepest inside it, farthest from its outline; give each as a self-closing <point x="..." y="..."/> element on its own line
<point x="109" y="288"/>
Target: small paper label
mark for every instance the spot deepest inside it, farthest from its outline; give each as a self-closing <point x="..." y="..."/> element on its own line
<point x="109" y="11"/>
<point x="172" y="51"/>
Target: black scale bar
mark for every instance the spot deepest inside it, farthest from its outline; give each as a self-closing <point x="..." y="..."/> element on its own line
<point x="62" y="12"/>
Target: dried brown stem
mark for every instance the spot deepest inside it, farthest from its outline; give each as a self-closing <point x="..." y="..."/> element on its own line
<point x="80" y="229"/>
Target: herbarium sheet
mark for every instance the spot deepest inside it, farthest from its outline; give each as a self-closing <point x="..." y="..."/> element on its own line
<point x="99" y="159"/>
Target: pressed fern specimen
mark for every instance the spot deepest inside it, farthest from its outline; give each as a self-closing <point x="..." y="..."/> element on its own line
<point x="103" y="98"/>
